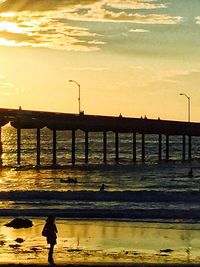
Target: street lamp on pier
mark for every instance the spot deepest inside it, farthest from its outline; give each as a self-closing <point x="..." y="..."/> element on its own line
<point x="79" y="94"/>
<point x="188" y="98"/>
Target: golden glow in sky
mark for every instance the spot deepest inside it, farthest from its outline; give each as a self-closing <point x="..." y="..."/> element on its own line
<point x="132" y="57"/>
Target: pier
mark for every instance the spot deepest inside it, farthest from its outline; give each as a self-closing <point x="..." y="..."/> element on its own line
<point x="28" y="119"/>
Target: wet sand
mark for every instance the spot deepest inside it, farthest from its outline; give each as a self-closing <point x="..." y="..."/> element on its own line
<point x="103" y="264"/>
<point x="97" y="243"/>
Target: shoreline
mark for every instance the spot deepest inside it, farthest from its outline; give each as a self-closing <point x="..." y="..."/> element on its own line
<point x="102" y="243"/>
<point x="126" y="215"/>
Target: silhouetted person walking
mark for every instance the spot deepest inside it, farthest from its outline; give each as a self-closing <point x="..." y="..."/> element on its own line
<point x="50" y="232"/>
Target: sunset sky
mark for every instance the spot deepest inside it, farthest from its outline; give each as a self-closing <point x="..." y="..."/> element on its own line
<point x="132" y="57"/>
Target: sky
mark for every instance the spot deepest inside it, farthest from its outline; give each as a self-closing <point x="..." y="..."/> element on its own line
<point x="132" y="57"/>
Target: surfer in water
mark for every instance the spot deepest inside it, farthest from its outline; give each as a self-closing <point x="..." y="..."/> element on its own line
<point x="102" y="188"/>
<point x="190" y="173"/>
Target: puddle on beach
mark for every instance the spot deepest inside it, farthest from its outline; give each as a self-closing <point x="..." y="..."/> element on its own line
<point x="103" y="241"/>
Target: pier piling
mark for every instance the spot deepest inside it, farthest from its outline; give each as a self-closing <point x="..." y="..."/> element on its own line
<point x="183" y="148"/>
<point x="54" y="147"/>
<point x="167" y="147"/>
<point x="104" y="146"/>
<point x="134" y="148"/>
<point x="160" y="147"/>
<point x="18" y="146"/>
<point x="189" y="147"/>
<point x="73" y="146"/>
<point x="38" y="146"/>
<point x="116" y="147"/>
<point x="1" y="148"/>
<point x="86" y="147"/>
<point x="143" y="147"/>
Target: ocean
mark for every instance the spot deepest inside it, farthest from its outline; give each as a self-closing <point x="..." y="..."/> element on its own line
<point x="133" y="191"/>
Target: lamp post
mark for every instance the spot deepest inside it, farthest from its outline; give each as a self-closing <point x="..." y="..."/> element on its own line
<point x="188" y="98"/>
<point x="79" y="94"/>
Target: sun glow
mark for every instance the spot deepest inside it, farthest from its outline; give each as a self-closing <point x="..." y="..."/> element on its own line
<point x="8" y="15"/>
<point x="5" y="42"/>
<point x="10" y="27"/>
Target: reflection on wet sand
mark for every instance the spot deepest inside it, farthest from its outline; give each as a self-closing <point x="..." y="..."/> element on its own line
<point x="107" y="241"/>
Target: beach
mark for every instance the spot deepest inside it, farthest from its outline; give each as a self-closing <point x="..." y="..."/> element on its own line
<point x="103" y="242"/>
